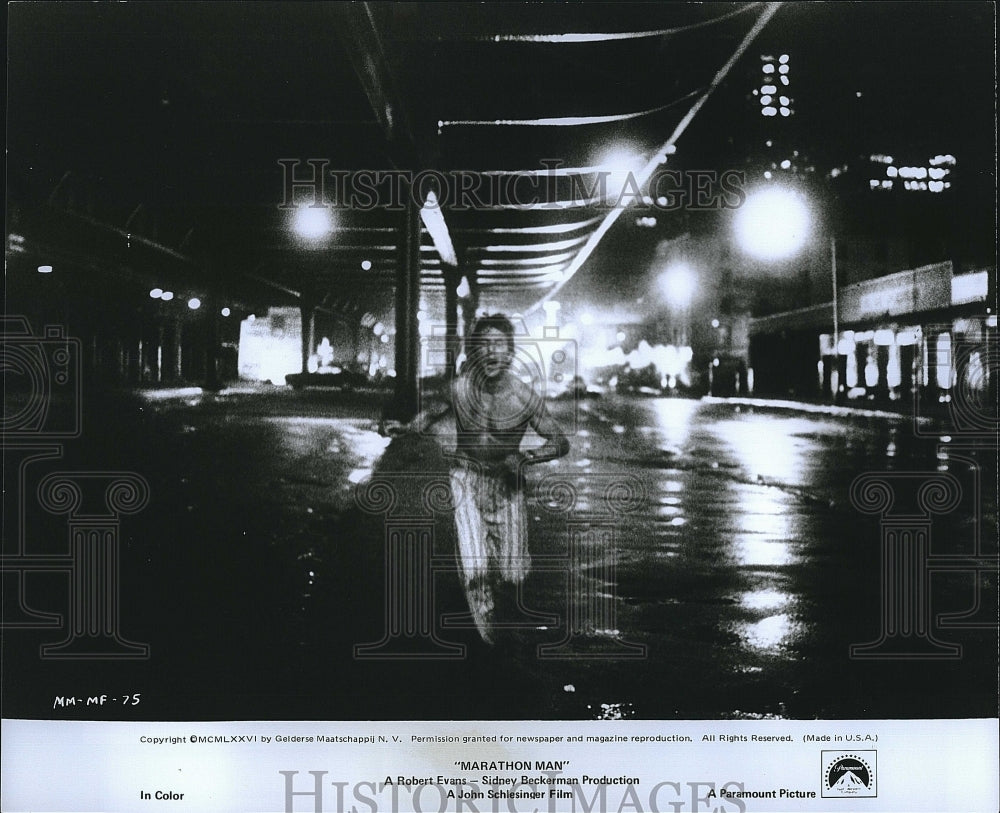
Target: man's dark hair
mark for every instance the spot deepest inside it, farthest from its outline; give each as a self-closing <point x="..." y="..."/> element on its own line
<point x="495" y="321"/>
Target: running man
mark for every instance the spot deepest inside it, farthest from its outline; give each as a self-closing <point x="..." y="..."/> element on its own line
<point x="492" y="409"/>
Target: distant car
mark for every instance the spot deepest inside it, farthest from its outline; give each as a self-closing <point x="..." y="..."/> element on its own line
<point x="346" y="379"/>
<point x="576" y="389"/>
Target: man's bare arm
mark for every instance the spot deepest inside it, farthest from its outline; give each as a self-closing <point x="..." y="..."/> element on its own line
<point x="556" y="443"/>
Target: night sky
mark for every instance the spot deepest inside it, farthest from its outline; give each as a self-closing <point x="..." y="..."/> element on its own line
<point x="188" y="107"/>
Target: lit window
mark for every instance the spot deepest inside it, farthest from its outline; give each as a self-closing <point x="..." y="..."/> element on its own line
<point x="894" y="373"/>
<point x="943" y="360"/>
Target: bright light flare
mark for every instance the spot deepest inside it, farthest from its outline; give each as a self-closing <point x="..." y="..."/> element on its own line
<point x="772" y="223"/>
<point x="620" y="166"/>
<point x="678" y="284"/>
<point x="312" y="222"/>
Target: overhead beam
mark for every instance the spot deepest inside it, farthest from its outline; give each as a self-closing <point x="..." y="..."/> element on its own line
<point x="647" y="171"/>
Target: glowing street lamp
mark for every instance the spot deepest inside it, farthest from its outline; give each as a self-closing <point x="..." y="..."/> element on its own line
<point x="619" y="166"/>
<point x="677" y="284"/>
<point x="312" y="222"/>
<point x="773" y="223"/>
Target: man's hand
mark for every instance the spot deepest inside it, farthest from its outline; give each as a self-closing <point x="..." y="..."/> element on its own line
<point x="514" y="462"/>
<point x="391" y="428"/>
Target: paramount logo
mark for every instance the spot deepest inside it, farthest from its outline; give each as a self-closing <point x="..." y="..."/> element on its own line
<point x="849" y="774"/>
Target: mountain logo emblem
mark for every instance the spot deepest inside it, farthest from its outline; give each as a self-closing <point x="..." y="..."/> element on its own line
<point x="849" y="774"/>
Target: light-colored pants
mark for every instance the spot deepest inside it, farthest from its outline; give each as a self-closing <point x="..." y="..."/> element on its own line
<point x="491" y="521"/>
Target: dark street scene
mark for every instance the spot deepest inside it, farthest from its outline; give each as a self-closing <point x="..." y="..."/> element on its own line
<point x="455" y="361"/>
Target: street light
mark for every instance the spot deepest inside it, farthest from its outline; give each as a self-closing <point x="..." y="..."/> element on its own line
<point x="677" y="284"/>
<point x="617" y="166"/>
<point x="773" y="223"/>
<point x="312" y="222"/>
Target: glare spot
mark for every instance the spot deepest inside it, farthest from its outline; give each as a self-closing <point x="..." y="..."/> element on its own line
<point x="756" y="552"/>
<point x="312" y="222"/>
<point x="772" y="223"/>
<point x="768" y="633"/>
<point x="764" y="599"/>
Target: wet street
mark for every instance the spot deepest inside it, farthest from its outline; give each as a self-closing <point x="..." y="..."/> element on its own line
<point x="730" y="582"/>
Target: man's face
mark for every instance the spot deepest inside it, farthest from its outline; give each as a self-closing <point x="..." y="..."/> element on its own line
<point x="494" y="352"/>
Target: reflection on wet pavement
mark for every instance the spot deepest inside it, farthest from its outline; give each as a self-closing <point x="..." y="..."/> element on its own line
<point x="746" y="573"/>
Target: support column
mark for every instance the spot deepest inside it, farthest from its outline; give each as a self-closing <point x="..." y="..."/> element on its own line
<point x="451" y="281"/>
<point x="178" y="350"/>
<point x="404" y="404"/>
<point x="212" y="379"/>
<point x="307" y="308"/>
<point x="882" y="362"/>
